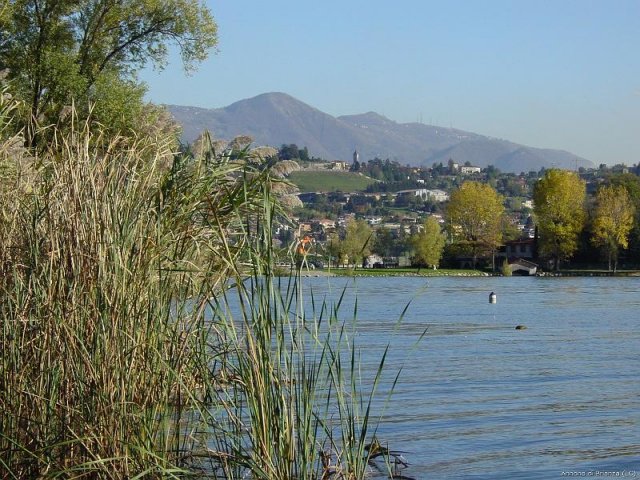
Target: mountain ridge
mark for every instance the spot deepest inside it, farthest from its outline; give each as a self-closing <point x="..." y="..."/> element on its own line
<point x="277" y="118"/>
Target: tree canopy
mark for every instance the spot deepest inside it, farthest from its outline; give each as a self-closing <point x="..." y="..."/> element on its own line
<point x="475" y="217"/>
<point x="56" y="51"/>
<point x="355" y="245"/>
<point x="559" y="198"/>
<point x="613" y="221"/>
<point x="429" y="244"/>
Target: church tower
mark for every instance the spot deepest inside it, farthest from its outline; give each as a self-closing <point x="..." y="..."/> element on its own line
<point x="356" y="157"/>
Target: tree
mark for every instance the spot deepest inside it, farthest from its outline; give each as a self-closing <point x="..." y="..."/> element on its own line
<point x="334" y="249"/>
<point x="59" y="50"/>
<point x="288" y="152"/>
<point x="357" y="241"/>
<point x="429" y="244"/>
<point x="559" y="198"/>
<point x="384" y="242"/>
<point x="475" y="217"/>
<point x="631" y="183"/>
<point x="613" y="221"/>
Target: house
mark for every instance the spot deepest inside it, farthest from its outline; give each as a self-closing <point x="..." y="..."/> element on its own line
<point x="469" y="169"/>
<point x="373" y="261"/>
<point x="425" y="193"/>
<point x="519" y="254"/>
<point x="338" y="165"/>
<point x="326" y="224"/>
<point x="523" y="248"/>
<point x="438" y="195"/>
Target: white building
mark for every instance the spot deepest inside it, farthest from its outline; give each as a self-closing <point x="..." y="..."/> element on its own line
<point x="438" y="195"/>
<point x="425" y="193"/>
<point x="466" y="170"/>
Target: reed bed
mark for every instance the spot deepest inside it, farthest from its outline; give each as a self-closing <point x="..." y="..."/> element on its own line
<point x="143" y="333"/>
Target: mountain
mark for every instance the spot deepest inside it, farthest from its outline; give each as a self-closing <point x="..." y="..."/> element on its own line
<point x="277" y="118"/>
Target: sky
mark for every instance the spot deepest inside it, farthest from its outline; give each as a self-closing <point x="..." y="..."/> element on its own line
<point x="559" y="74"/>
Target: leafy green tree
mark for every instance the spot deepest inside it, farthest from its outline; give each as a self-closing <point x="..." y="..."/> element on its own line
<point x="475" y="218"/>
<point x="288" y="152"/>
<point x="59" y="50"/>
<point x="631" y="183"/>
<point x="559" y="198"/>
<point x="613" y="221"/>
<point x="492" y="172"/>
<point x="429" y="244"/>
<point x="335" y="250"/>
<point x="384" y="242"/>
<point x="357" y="241"/>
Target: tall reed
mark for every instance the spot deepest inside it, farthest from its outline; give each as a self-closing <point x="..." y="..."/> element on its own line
<point x="296" y="407"/>
<point x="143" y="333"/>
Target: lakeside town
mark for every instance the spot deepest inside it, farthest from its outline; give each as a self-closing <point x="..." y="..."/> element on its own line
<point x="375" y="214"/>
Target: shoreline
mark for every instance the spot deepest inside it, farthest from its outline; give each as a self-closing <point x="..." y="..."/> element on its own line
<point x="457" y="273"/>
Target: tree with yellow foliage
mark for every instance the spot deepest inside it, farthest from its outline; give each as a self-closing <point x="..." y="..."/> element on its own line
<point x="560" y="213"/>
<point x="354" y="246"/>
<point x="474" y="218"/>
<point x="429" y="244"/>
<point x="612" y="222"/>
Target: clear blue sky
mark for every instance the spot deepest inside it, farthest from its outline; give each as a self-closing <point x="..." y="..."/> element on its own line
<point x="546" y="73"/>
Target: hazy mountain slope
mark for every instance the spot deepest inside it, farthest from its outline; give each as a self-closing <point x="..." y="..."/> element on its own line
<point x="273" y="119"/>
<point x="277" y="118"/>
<point x="410" y="142"/>
<point x="478" y="151"/>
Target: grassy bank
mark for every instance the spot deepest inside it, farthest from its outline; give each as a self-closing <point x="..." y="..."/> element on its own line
<point x="406" y="272"/>
<point x="143" y="335"/>
<point x="329" y="181"/>
<point x="447" y="272"/>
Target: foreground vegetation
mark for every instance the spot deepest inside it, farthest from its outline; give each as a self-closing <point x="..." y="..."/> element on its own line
<point x="142" y="332"/>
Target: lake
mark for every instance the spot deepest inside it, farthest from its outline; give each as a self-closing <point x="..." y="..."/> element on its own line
<point x="478" y="398"/>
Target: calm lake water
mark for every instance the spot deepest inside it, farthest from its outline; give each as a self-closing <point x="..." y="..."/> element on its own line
<point x="478" y="398"/>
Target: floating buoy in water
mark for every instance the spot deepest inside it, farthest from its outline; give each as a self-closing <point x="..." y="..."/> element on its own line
<point x="492" y="298"/>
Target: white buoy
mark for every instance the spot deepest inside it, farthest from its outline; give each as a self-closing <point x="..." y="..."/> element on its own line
<point x="492" y="298"/>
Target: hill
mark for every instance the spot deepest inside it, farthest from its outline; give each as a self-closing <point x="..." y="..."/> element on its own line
<point x="277" y="118"/>
<point x="328" y="181"/>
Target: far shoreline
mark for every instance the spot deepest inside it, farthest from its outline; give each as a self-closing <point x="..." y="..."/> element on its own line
<point x="423" y="272"/>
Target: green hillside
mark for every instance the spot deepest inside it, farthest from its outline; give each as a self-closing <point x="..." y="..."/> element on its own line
<point x="320" y="181"/>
